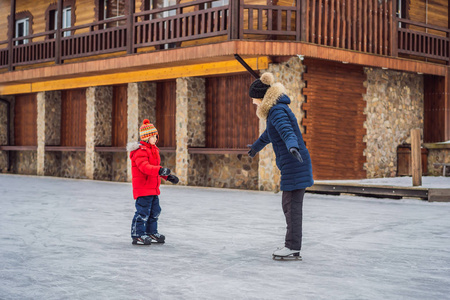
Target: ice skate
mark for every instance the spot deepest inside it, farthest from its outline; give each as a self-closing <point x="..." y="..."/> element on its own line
<point x="141" y="241"/>
<point x="158" y="238"/>
<point x="286" y="254"/>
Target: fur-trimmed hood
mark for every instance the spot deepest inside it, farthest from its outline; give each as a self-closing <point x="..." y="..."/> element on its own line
<point x="270" y="99"/>
<point x="131" y="146"/>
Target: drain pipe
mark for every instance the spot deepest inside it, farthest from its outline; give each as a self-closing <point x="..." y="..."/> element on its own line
<point x="8" y="128"/>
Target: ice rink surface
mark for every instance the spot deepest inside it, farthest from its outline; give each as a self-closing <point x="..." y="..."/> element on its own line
<point x="70" y="239"/>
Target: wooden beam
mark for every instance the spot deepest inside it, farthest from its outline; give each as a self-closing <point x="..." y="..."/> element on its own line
<point x="205" y="54"/>
<point x="12" y="32"/>
<point x="223" y="67"/>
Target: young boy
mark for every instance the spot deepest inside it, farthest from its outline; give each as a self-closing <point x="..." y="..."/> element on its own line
<point x="146" y="172"/>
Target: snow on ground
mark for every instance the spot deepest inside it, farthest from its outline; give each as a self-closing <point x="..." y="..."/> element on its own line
<point x="69" y="239"/>
<point x="438" y="182"/>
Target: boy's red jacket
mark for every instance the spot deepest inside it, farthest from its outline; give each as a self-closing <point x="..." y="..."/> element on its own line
<point x="145" y="165"/>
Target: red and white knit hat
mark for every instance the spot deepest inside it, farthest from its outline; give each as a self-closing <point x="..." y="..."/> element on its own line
<point x="147" y="130"/>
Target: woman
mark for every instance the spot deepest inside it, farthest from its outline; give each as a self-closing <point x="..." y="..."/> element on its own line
<point x="292" y="157"/>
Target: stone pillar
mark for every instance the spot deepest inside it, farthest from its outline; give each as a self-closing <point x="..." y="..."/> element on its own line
<point x="48" y="132"/>
<point x="141" y="105"/>
<point x="190" y="124"/>
<point x="290" y="75"/>
<point x="40" y="133"/>
<point x="394" y="107"/>
<point x="98" y="132"/>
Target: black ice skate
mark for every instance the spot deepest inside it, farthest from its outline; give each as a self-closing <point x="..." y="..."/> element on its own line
<point x="144" y="240"/>
<point x="286" y="254"/>
<point x="159" y="238"/>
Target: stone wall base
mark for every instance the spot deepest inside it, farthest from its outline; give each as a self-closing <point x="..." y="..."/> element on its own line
<point x="437" y="156"/>
<point x="52" y="165"/>
<point x="224" y="171"/>
<point x="24" y="162"/>
<point x="4" y="161"/>
<point x="119" y="166"/>
<point x="73" y="165"/>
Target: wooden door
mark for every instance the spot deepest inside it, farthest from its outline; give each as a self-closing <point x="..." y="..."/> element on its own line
<point x="334" y="122"/>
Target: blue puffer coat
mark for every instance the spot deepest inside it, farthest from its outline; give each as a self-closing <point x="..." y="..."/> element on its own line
<point x="284" y="133"/>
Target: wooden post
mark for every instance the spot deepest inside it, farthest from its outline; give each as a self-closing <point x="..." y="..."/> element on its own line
<point x="130" y="27"/>
<point x="235" y="18"/>
<point x="12" y="32"/>
<point x="416" y="164"/>
<point x="394" y="29"/>
<point x="302" y="23"/>
<point x="58" y="32"/>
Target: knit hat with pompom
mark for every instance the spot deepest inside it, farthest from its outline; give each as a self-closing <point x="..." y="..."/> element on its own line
<point x="147" y="130"/>
<point x="260" y="86"/>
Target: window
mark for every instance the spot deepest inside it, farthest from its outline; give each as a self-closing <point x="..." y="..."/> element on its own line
<point x="66" y="21"/>
<point x="109" y="9"/>
<point x="217" y="3"/>
<point x="22" y="29"/>
<point x="402" y="11"/>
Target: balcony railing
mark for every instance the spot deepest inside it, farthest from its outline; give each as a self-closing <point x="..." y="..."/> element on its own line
<point x="360" y="25"/>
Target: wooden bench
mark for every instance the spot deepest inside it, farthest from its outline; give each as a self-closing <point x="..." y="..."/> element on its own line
<point x="444" y="166"/>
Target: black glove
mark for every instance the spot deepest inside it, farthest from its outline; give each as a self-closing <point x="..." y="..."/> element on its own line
<point x="172" y="178"/>
<point x="164" y="171"/>
<point x="252" y="152"/>
<point x="296" y="154"/>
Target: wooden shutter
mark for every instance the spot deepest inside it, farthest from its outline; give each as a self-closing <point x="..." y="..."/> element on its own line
<point x="434" y="109"/>
<point x="334" y="119"/>
<point x="119" y="116"/>
<point x="231" y="120"/>
<point x="73" y="118"/>
<point x="25" y="120"/>
<point x="165" y="113"/>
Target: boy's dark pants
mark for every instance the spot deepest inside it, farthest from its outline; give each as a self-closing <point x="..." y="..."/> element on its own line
<point x="145" y="221"/>
<point x="292" y="202"/>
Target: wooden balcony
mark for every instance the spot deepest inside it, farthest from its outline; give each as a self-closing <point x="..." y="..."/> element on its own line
<point x="358" y="25"/>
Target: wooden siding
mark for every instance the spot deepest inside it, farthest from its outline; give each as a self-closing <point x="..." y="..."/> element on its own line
<point x="166" y="112"/>
<point x="73" y="118"/>
<point x="434" y="109"/>
<point x="435" y="13"/>
<point x="25" y="120"/>
<point x="231" y="121"/>
<point x="334" y="122"/>
<point x="119" y="116"/>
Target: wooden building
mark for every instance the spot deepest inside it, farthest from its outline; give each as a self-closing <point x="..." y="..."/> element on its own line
<point x="77" y="77"/>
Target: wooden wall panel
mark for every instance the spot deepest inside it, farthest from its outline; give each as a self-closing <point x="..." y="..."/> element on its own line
<point x="231" y="121"/>
<point x="334" y="119"/>
<point x="119" y="116"/>
<point x="73" y="118"/>
<point x="25" y="120"/>
<point x="435" y="13"/>
<point x="434" y="109"/>
<point x="166" y="112"/>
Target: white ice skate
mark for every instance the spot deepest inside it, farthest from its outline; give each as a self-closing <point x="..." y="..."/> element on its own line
<point x="286" y="254"/>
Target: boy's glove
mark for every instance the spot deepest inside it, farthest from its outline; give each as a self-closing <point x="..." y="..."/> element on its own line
<point x="172" y="178"/>
<point x="296" y="154"/>
<point x="164" y="171"/>
<point x="252" y="152"/>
